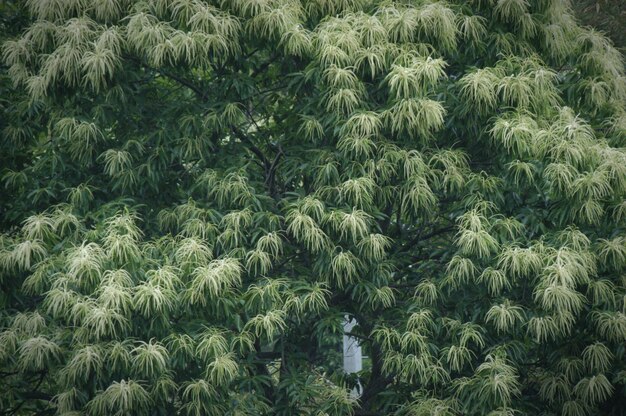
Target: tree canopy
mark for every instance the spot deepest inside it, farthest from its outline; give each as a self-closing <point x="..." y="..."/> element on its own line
<point x="196" y="193"/>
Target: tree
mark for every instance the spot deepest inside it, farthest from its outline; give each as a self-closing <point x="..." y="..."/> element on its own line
<point x="198" y="192"/>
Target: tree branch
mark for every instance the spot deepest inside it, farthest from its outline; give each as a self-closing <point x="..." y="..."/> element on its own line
<point x="34" y="390"/>
<point x="253" y="148"/>
<point x="352" y="334"/>
<point x="199" y="92"/>
<point x="420" y="237"/>
<point x="266" y="64"/>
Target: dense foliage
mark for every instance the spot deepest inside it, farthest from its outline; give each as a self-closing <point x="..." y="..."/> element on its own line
<point x="197" y="192"/>
<point x="606" y="15"/>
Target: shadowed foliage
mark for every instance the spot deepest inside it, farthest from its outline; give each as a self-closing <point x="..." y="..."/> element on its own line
<point x="605" y="15"/>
